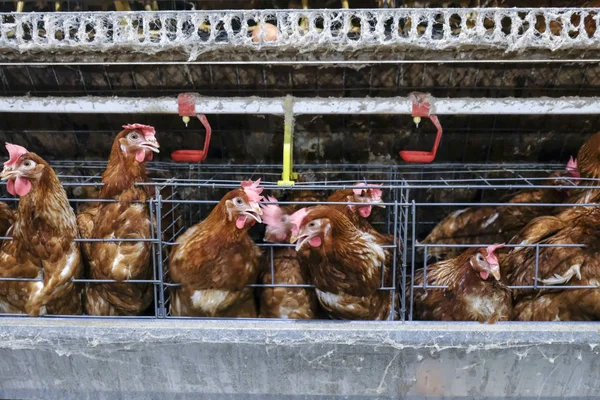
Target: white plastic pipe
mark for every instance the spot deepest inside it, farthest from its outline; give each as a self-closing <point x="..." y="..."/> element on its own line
<point x="316" y="106"/>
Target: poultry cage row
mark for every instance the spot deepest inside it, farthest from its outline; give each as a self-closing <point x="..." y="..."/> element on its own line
<point x="335" y="89"/>
<point x="413" y="199"/>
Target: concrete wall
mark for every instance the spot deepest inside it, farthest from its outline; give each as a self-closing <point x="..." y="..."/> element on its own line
<point x="126" y="359"/>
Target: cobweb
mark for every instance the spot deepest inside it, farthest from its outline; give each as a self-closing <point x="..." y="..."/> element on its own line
<point x="196" y="32"/>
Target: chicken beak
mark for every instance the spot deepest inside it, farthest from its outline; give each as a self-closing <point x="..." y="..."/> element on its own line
<point x="152" y="145"/>
<point x="300" y="240"/>
<point x="294" y="236"/>
<point x="495" y="271"/>
<point x="299" y="237"/>
<point x="254" y="211"/>
<point x="378" y="202"/>
<point x="8" y="174"/>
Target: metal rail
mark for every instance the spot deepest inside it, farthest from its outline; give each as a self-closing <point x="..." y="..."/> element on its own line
<point x="319" y="106"/>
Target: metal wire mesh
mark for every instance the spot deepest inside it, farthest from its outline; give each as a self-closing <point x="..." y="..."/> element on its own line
<point x="417" y="198"/>
<point x="307" y="31"/>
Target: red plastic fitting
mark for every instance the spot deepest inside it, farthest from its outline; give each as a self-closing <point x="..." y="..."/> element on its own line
<point x="421" y="107"/>
<point x="187" y="108"/>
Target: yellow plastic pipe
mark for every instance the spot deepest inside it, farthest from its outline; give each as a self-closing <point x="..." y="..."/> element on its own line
<point x="288" y="175"/>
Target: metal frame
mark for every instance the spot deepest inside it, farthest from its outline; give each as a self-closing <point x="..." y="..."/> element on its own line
<point x="300" y="106"/>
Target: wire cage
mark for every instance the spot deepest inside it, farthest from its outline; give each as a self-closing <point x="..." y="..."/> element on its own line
<point x="417" y="196"/>
<point x="193" y="198"/>
<point x="489" y="188"/>
<point x="416" y="199"/>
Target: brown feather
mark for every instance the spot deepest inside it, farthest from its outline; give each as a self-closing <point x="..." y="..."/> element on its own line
<point x="7" y="218"/>
<point x="43" y="240"/>
<point x="214" y="262"/>
<point x="588" y="164"/>
<point x="285" y="268"/>
<point x="128" y="218"/>
<point x="347" y="269"/>
<point x="575" y="226"/>
<point x="467" y="298"/>
<point x="286" y="302"/>
<point x="565" y="266"/>
<point x="363" y="225"/>
<point x="486" y="225"/>
<point x="588" y="158"/>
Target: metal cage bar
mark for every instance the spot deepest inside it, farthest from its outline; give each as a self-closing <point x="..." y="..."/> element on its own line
<point x="321" y="106"/>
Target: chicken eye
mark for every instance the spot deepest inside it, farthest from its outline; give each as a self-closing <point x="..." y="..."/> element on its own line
<point x="134" y="136"/>
<point x="479" y="257"/>
<point x="238" y="202"/>
<point x="312" y="224"/>
<point x="28" y="164"/>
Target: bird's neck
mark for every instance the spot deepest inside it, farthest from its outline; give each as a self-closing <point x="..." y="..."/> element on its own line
<point x="46" y="209"/>
<point x="121" y="175"/>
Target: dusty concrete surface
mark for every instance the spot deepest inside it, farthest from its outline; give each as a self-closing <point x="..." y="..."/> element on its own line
<point x="120" y="359"/>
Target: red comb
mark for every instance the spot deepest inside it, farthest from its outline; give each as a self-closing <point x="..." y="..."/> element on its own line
<point x="14" y="152"/>
<point x="359" y="191"/>
<point x="492" y="258"/>
<point x="572" y="167"/>
<point x="297" y="218"/>
<point x="375" y="193"/>
<point x="252" y="190"/>
<point x="271" y="212"/>
<point x="147" y="130"/>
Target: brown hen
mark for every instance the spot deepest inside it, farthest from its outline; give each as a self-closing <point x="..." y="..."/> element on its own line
<point x="359" y="214"/>
<point x="564" y="266"/>
<point x="558" y="265"/>
<point x="215" y="260"/>
<point x="480" y="225"/>
<point x="471" y="293"/>
<point x="345" y="264"/>
<point x="588" y="166"/>
<point x="43" y="243"/>
<point x="127" y="218"/>
<point x="284" y="302"/>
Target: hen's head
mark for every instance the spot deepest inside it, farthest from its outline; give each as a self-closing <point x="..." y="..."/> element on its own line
<point x="243" y="205"/>
<point x="312" y="225"/>
<point x="22" y="170"/>
<point x="485" y="262"/>
<point x="363" y="194"/>
<point x="138" y="141"/>
<point x="559" y="178"/>
<point x="279" y="228"/>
